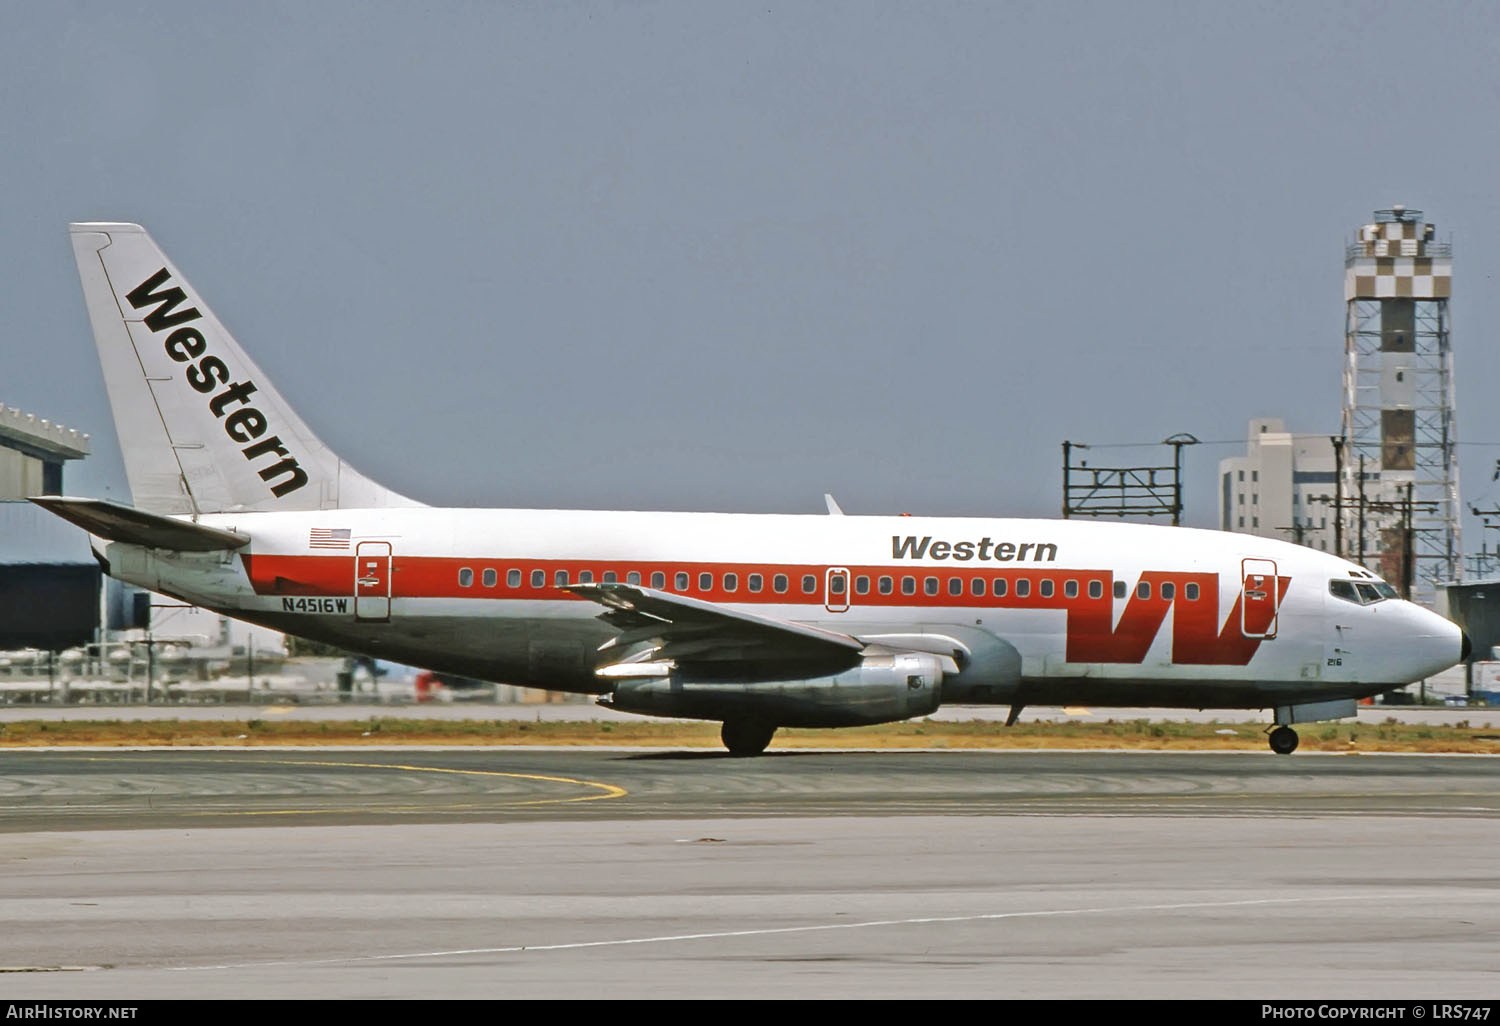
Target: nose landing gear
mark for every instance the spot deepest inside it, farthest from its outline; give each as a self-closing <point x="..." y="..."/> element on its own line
<point x="1283" y="740"/>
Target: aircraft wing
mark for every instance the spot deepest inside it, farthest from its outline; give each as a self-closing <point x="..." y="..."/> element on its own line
<point x="696" y="633"/>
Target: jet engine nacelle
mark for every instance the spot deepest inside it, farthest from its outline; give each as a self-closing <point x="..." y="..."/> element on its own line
<point x="885" y="686"/>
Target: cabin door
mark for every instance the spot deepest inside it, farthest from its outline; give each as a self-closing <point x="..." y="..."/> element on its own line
<point x="372" y="582"/>
<point x="1259" y="598"/>
<point x="836" y="590"/>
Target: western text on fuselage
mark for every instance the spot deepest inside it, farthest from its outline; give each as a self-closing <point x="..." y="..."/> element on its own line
<point x="985" y="549"/>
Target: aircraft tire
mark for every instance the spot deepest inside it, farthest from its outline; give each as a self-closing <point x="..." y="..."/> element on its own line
<point x="746" y="737"/>
<point x="1283" y="740"/>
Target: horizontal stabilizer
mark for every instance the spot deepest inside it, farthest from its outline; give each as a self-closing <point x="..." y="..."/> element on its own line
<point x="137" y="527"/>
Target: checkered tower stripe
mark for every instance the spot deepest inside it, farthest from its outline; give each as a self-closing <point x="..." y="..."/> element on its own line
<point x="1392" y="277"/>
<point x="1394" y="264"/>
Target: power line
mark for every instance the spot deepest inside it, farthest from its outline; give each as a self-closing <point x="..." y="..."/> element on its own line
<point x="1240" y="441"/>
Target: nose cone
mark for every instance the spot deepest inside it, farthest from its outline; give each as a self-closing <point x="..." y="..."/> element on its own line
<point x="1427" y="644"/>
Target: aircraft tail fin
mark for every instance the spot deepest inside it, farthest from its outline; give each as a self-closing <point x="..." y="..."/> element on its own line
<point x="201" y="428"/>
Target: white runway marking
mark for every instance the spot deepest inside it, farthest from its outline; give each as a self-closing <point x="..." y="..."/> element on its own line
<point x="770" y="931"/>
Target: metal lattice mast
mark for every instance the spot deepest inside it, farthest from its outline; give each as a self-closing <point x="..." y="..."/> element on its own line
<point x="1398" y="404"/>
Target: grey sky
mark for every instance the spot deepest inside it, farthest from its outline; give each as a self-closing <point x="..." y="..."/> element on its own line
<point x="720" y="256"/>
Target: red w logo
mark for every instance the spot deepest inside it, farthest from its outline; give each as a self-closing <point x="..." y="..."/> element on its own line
<point x="1197" y="636"/>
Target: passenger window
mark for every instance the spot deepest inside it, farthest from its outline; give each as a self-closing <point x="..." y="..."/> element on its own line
<point x="755" y="581"/>
<point x="1070" y="589"/>
<point x="586" y="577"/>
<point x="731" y="582"/>
<point x="837" y="584"/>
<point x="1191" y="592"/>
<point x="780" y="584"/>
<point x="809" y="584"/>
<point x="682" y="582"/>
<point x="908" y="585"/>
<point x="976" y="586"/>
<point x="658" y="580"/>
<point x="634" y="577"/>
<point x="1096" y="589"/>
<point x="930" y="585"/>
<point x="1120" y="589"/>
<point x="465" y="577"/>
<point x="1023" y="588"/>
<point x="862" y="585"/>
<point x="885" y="585"/>
<point x="1168" y="590"/>
<point x="1143" y="590"/>
<point x="513" y="578"/>
<point x="1343" y="590"/>
<point x="560" y="579"/>
<point x="1046" y="589"/>
<point x="955" y="586"/>
<point x="1000" y="587"/>
<point x="538" y="578"/>
<point x="705" y="582"/>
<point x="488" y="577"/>
<point x="609" y="577"/>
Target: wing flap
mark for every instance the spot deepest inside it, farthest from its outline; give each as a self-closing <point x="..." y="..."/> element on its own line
<point x="689" y="630"/>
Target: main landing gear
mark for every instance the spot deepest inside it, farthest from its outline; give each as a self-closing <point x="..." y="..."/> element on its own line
<point x="1283" y="740"/>
<point x="746" y="737"/>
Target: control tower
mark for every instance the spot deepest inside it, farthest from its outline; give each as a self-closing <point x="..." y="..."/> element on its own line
<point x="1399" y="420"/>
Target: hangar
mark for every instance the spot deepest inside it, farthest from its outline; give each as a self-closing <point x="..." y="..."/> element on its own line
<point x="49" y="580"/>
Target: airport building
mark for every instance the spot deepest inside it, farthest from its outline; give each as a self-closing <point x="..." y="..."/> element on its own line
<point x="32" y="454"/>
<point x="49" y="581"/>
<point x="1283" y="487"/>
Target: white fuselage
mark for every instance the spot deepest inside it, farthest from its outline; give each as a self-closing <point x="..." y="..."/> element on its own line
<point x="1058" y="611"/>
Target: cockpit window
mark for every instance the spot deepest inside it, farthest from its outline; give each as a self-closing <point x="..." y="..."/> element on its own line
<point x="1342" y="589"/>
<point x="1362" y="592"/>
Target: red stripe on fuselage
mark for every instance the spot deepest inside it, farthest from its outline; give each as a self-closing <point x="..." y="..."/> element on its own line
<point x="1093" y="636"/>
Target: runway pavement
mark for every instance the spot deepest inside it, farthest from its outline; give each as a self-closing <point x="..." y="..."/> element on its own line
<point x="594" y="873"/>
<point x="197" y="788"/>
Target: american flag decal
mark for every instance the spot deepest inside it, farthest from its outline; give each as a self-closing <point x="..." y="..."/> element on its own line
<point x="328" y="538"/>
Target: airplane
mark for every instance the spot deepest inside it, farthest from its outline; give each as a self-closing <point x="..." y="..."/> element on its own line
<point x="758" y="621"/>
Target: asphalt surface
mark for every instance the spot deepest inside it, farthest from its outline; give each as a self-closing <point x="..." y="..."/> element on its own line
<point x="88" y="789"/>
<point x="502" y="873"/>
